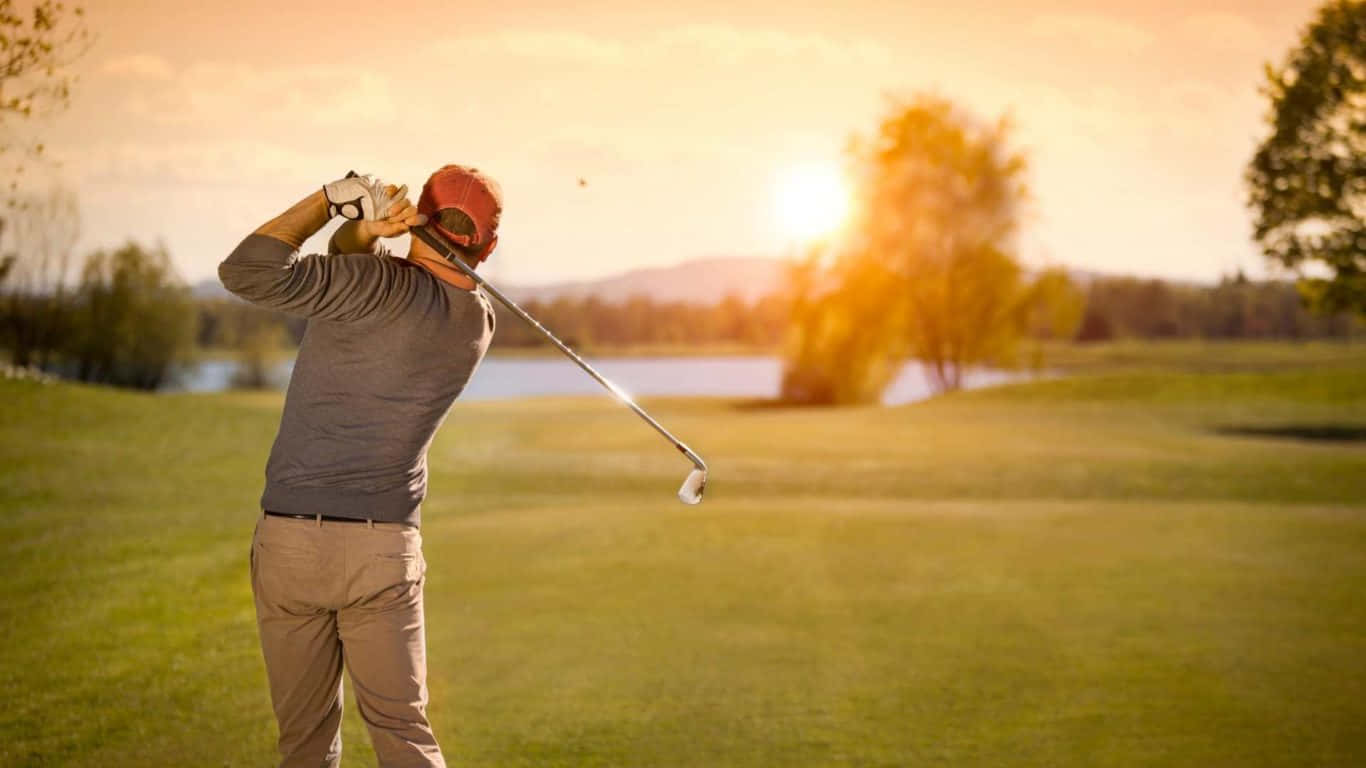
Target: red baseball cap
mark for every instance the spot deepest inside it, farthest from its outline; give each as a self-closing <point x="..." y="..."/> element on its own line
<point x="471" y="192"/>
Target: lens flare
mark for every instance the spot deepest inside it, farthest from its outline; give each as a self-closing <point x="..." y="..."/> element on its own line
<point x="810" y="201"/>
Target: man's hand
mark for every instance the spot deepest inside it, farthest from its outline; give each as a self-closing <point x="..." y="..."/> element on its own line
<point x="360" y="236"/>
<point x="402" y="215"/>
<point x="361" y="198"/>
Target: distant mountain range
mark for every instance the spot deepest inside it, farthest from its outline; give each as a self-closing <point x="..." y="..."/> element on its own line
<point x="209" y="288"/>
<point x="704" y="281"/>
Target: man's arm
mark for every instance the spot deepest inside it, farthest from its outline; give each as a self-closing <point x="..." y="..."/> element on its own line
<point x="300" y="222"/>
<point x="263" y="268"/>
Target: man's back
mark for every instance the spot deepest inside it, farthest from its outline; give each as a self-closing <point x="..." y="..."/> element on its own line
<point x="387" y="349"/>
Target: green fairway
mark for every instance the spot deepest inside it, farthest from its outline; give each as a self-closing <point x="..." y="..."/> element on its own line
<point x="1162" y="566"/>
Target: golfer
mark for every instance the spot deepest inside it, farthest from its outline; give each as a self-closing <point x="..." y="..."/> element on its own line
<point x="336" y="558"/>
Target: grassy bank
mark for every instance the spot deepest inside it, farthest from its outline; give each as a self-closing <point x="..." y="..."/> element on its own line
<point x="1204" y="355"/>
<point x="1146" y="567"/>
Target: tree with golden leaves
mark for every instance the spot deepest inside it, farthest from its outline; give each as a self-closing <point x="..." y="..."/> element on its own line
<point x="927" y="269"/>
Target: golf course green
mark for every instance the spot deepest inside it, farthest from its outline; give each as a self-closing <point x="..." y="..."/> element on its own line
<point x="1158" y="563"/>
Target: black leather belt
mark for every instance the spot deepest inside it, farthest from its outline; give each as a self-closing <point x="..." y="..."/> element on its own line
<point x="331" y="518"/>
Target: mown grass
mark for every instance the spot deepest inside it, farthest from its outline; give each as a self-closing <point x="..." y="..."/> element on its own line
<point x="1143" y="568"/>
<point x="1203" y="355"/>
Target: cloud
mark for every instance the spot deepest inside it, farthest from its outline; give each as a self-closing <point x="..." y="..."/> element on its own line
<point x="1093" y="30"/>
<point x="1225" y="31"/>
<point x="573" y="157"/>
<point x="139" y="66"/>
<point x="707" y="40"/>
<point x="206" y="93"/>
<point x="733" y="41"/>
<point x="1196" y="100"/>
<point x="681" y="123"/>
<point x="193" y="162"/>
<point x="689" y="83"/>
<point x="535" y="44"/>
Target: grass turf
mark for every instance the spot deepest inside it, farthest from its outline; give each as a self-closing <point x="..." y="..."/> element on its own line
<point x="1159" y="567"/>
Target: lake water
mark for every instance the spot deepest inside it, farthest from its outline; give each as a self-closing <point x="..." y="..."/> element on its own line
<point x="502" y="377"/>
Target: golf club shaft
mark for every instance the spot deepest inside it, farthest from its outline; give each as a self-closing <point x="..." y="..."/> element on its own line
<point x="454" y="259"/>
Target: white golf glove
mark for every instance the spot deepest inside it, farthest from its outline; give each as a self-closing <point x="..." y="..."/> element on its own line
<point x="359" y="197"/>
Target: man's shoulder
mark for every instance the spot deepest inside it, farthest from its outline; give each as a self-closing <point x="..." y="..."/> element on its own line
<point x="367" y="263"/>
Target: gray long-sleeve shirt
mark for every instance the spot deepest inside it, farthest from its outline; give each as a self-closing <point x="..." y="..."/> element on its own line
<point x="387" y="349"/>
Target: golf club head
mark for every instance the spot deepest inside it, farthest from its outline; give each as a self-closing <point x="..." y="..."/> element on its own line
<point x="691" y="492"/>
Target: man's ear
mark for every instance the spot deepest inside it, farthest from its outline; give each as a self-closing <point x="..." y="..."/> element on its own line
<point x="488" y="249"/>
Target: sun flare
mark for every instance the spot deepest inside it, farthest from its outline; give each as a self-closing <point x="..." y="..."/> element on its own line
<point x="810" y="201"/>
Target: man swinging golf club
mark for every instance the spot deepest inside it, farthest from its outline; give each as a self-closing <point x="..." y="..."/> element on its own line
<point x="336" y="558"/>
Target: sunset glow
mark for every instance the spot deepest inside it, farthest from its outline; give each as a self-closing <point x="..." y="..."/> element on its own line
<point x="195" y="130"/>
<point x="810" y="201"/>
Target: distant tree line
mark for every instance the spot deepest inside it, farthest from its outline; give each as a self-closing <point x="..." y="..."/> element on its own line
<point x="1053" y="306"/>
<point x="125" y="319"/>
<point x="123" y="316"/>
<point x="1235" y="308"/>
<point x="640" y="321"/>
<point x="256" y="337"/>
<point x="228" y="324"/>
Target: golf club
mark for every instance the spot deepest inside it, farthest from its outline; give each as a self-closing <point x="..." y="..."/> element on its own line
<point x="696" y="482"/>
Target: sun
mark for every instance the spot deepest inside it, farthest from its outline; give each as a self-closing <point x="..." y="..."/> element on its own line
<point x="810" y="201"/>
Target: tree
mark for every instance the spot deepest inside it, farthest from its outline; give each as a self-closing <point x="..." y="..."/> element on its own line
<point x="7" y="258"/>
<point x="1053" y="306"/>
<point x="258" y="348"/>
<point x="133" y="318"/>
<point x="1052" y="309"/>
<point x="927" y="270"/>
<point x="842" y="345"/>
<point x="1307" y="181"/>
<point x="35" y="305"/>
<point x="38" y="43"/>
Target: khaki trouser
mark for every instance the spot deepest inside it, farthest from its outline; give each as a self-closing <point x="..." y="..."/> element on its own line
<point x="327" y="593"/>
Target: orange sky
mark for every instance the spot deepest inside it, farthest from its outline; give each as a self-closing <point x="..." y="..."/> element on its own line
<point x="195" y="125"/>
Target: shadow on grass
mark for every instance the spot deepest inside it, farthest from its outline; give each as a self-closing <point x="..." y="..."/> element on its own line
<point x="1317" y="432"/>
